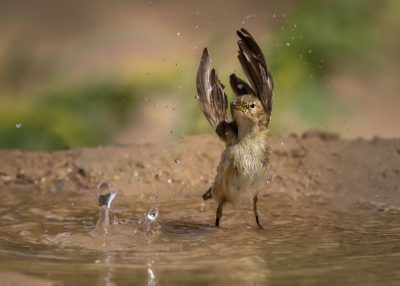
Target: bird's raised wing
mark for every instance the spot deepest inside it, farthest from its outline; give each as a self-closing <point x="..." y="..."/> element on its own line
<point x="212" y="98"/>
<point x="213" y="101"/>
<point x="239" y="86"/>
<point x="253" y="63"/>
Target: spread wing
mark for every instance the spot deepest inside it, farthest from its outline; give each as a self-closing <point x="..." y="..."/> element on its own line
<point x="239" y="86"/>
<point x="212" y="98"/>
<point x="253" y="63"/>
<point x="213" y="101"/>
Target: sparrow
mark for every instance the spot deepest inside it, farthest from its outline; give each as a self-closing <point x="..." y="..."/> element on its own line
<point x="243" y="164"/>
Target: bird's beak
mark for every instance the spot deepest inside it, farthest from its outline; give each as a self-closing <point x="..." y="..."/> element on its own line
<point x="236" y="106"/>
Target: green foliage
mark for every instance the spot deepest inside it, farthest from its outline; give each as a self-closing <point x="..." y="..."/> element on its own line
<point x="84" y="115"/>
<point x="316" y="39"/>
<point x="310" y="43"/>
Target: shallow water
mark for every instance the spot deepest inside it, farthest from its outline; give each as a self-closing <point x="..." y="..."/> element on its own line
<point x="307" y="242"/>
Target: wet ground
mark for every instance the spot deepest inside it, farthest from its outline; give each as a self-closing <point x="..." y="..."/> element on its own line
<point x="161" y="233"/>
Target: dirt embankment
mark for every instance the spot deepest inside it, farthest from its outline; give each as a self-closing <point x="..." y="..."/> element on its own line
<point x="313" y="163"/>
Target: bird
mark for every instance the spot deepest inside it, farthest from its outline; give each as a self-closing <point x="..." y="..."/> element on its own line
<point x="244" y="162"/>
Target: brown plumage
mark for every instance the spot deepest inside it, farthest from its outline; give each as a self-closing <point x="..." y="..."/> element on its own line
<point x="244" y="162"/>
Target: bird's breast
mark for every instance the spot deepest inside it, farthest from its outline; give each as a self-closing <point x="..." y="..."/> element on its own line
<point x="250" y="158"/>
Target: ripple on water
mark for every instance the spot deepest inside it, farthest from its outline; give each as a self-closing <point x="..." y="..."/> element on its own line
<point x="301" y="242"/>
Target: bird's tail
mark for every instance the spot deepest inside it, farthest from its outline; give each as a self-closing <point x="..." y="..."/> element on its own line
<point x="207" y="195"/>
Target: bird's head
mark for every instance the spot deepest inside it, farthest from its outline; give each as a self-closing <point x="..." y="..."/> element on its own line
<point x="247" y="110"/>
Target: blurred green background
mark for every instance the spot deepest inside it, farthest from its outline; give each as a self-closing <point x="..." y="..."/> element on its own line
<point x="88" y="73"/>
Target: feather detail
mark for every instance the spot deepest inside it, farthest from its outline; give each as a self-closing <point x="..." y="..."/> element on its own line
<point x="253" y="63"/>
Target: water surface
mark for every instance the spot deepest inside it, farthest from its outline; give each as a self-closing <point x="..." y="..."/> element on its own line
<point x="307" y="242"/>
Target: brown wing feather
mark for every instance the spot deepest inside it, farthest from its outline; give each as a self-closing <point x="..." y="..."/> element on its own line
<point x="212" y="98"/>
<point x="253" y="63"/>
<point x="239" y="86"/>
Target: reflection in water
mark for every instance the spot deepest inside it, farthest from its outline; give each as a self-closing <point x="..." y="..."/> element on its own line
<point x="151" y="277"/>
<point x="107" y="274"/>
<point x="304" y="242"/>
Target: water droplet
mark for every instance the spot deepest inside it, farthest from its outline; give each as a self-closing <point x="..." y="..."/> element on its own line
<point x="25" y="233"/>
<point x="18" y="125"/>
<point x="287" y="44"/>
<point x="107" y="192"/>
<point x="151" y="214"/>
<point x="169" y="181"/>
<point x="179" y="33"/>
<point x="154" y="196"/>
<point x="197" y="97"/>
<point x="177" y="161"/>
<point x="106" y="187"/>
<point x="202" y="207"/>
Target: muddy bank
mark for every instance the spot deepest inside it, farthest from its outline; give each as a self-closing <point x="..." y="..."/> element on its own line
<point x="309" y="164"/>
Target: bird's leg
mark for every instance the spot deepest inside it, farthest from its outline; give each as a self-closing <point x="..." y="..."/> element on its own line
<point x="219" y="211"/>
<point x="255" y="199"/>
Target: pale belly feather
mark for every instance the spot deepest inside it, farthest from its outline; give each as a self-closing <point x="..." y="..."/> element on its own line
<point x="244" y="167"/>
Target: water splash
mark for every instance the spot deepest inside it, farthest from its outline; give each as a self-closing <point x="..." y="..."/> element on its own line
<point x="107" y="192"/>
<point x="151" y="214"/>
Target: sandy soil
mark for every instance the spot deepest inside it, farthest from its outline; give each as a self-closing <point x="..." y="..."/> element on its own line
<point x="314" y="163"/>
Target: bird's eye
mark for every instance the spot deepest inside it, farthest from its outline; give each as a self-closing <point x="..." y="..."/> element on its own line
<point x="252" y="105"/>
